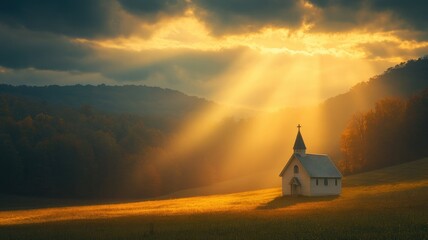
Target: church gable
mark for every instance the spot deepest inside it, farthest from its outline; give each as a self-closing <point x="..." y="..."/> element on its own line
<point x="293" y="161"/>
<point x="295" y="176"/>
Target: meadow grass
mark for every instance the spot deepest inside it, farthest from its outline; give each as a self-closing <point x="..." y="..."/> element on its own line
<point x="385" y="204"/>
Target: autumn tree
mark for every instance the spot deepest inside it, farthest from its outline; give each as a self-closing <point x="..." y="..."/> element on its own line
<point x="394" y="131"/>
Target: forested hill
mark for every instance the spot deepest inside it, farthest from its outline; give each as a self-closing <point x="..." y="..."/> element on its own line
<point x="57" y="151"/>
<point x="404" y="79"/>
<point x="139" y="100"/>
<point x="400" y="81"/>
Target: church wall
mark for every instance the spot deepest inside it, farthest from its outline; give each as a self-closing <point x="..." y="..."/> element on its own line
<point x="321" y="189"/>
<point x="302" y="176"/>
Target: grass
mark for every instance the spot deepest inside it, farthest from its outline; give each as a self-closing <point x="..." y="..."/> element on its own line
<point x="386" y="204"/>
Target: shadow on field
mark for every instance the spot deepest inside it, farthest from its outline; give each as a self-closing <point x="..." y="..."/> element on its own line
<point x="286" y="201"/>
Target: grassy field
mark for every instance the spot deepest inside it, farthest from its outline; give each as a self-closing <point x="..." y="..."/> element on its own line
<point x="386" y="204"/>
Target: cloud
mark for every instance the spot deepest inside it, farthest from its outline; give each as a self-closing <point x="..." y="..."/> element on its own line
<point x="112" y="18"/>
<point x="37" y="77"/>
<point x="374" y="15"/>
<point x="76" y="18"/>
<point x="238" y="16"/>
<point x="20" y="48"/>
<point x="413" y="14"/>
<point x="201" y="63"/>
<point x="87" y="18"/>
<point x="392" y="50"/>
<point x="203" y="47"/>
<point x="225" y="17"/>
<point x="152" y="10"/>
<point x="338" y="16"/>
<point x="24" y="52"/>
<point x="191" y="71"/>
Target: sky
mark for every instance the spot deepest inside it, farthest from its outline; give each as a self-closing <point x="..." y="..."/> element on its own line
<point x="260" y="55"/>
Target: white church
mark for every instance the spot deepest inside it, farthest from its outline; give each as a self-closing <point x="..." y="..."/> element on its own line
<point x="309" y="174"/>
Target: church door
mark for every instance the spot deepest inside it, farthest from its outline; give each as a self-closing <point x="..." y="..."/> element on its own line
<point x="295" y="190"/>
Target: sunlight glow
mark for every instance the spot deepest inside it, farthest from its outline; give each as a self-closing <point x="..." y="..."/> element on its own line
<point x="188" y="32"/>
<point x="290" y="53"/>
<point x="202" y="126"/>
<point x="275" y="68"/>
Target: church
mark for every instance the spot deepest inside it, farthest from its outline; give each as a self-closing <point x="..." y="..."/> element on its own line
<point x="309" y="174"/>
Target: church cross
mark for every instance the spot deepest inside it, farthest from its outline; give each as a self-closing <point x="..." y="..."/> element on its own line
<point x="299" y="126"/>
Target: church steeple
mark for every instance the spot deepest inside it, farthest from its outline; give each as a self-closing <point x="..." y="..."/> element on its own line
<point x="299" y="144"/>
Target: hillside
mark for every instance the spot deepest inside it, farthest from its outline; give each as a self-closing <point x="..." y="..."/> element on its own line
<point x="62" y="152"/>
<point x="416" y="171"/>
<point x="400" y="81"/>
<point x="383" y="204"/>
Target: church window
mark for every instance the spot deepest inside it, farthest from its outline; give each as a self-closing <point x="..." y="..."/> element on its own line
<point x="325" y="181"/>
<point x="335" y="182"/>
<point x="316" y="181"/>
<point x="296" y="169"/>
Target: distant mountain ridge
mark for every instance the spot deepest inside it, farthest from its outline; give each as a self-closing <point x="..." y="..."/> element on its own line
<point x="401" y="80"/>
<point x="130" y="99"/>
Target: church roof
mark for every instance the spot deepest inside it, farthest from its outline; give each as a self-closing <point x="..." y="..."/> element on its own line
<point x="299" y="144"/>
<point x="316" y="165"/>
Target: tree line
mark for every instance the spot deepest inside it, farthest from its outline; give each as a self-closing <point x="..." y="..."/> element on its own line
<point x="48" y="150"/>
<point x="393" y="132"/>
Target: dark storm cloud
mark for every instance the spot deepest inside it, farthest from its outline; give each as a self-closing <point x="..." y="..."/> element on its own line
<point x="240" y="16"/>
<point x="38" y="34"/>
<point x="413" y="14"/>
<point x="226" y="16"/>
<point x="342" y="15"/>
<point x="107" y="18"/>
<point x="193" y="72"/>
<point x="338" y="15"/>
<point x="77" y="18"/>
<point x="152" y="10"/>
<point x="86" y="18"/>
<point x="20" y="48"/>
